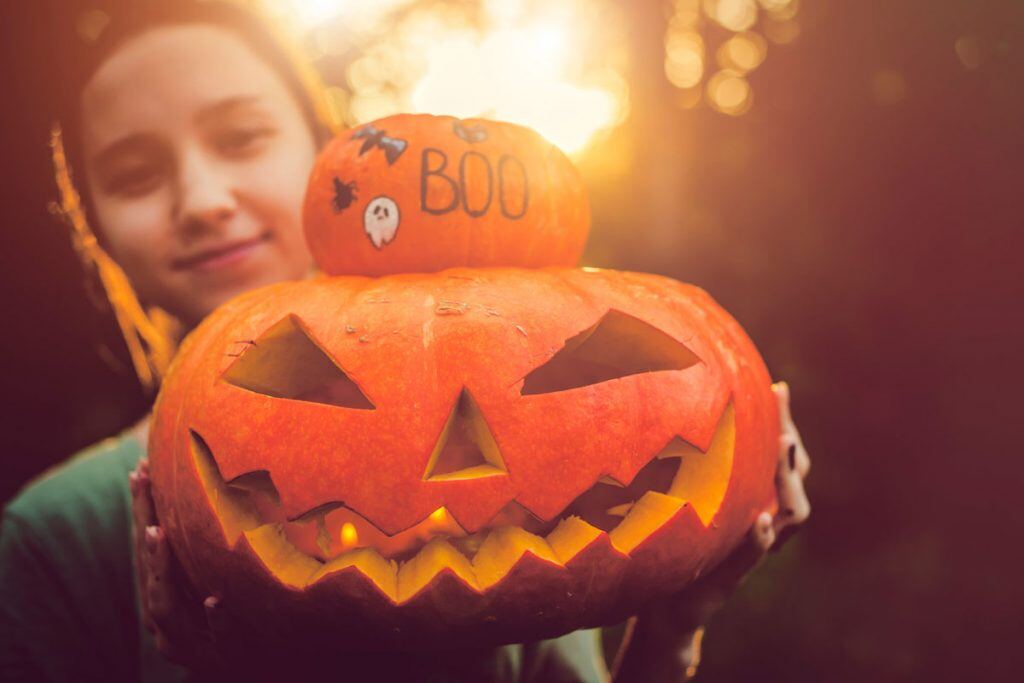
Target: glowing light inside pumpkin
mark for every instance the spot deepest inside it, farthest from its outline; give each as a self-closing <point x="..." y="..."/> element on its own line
<point x="482" y="559"/>
<point x="349" y="535"/>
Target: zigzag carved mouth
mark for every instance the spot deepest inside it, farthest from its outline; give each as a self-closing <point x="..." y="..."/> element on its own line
<point x="332" y="536"/>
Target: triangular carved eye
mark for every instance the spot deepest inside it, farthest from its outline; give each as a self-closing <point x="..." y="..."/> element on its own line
<point x="617" y="346"/>
<point x="285" y="362"/>
<point x="466" y="449"/>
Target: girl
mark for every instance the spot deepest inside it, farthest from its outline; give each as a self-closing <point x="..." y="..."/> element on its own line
<point x="193" y="135"/>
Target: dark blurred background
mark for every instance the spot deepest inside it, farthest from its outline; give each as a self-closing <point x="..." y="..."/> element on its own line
<point x="854" y="199"/>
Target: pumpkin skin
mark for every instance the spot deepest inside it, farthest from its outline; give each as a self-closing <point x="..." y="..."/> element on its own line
<point x="413" y="345"/>
<point x="420" y="193"/>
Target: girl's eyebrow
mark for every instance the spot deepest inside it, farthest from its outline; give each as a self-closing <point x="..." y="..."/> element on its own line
<point x="224" y="107"/>
<point x="125" y="146"/>
<point x="138" y="142"/>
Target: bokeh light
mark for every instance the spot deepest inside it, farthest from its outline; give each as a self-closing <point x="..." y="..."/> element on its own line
<point x="90" y="24"/>
<point x="781" y="9"/>
<point x="729" y="92"/>
<point x="557" y="66"/>
<point x="968" y="51"/>
<point x="694" y="32"/>
<point x="743" y="52"/>
<point x="735" y="15"/>
<point x="684" y="58"/>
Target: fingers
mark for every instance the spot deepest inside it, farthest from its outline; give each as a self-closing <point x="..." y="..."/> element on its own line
<point x="794" y="506"/>
<point x="781" y="391"/>
<point x="793" y="466"/>
<point x="160" y="597"/>
<point x="217" y="620"/>
<point x="177" y="622"/>
<point x="143" y="517"/>
<point x="143" y="511"/>
<point x="218" y="626"/>
<point x="158" y="589"/>
<point x="727" y="576"/>
<point x="157" y="592"/>
<point x="762" y="534"/>
<point x="760" y="537"/>
<point x="174" y="621"/>
<point x="799" y="459"/>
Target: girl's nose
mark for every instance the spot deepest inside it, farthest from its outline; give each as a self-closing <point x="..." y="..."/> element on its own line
<point x="205" y="195"/>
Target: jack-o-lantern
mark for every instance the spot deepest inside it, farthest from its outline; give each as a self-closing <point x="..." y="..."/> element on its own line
<point x="420" y="193"/>
<point x="472" y="456"/>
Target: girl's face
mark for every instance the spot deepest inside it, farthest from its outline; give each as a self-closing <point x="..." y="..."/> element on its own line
<point x="196" y="159"/>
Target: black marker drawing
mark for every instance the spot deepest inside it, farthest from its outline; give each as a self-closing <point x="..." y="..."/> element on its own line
<point x="524" y="188"/>
<point x="471" y="134"/>
<point x="380" y="220"/>
<point x="247" y="342"/>
<point x="344" y="194"/>
<point x="465" y="187"/>
<point x="426" y="171"/>
<point x="513" y="185"/>
<point x="393" y="147"/>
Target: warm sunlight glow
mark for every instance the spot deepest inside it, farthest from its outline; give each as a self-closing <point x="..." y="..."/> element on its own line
<point x="560" y="67"/>
<point x="519" y="75"/>
<point x="308" y="13"/>
<point x="557" y="66"/>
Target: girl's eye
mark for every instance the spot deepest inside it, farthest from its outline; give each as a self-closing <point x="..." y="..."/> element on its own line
<point x="242" y="141"/>
<point x="134" y="181"/>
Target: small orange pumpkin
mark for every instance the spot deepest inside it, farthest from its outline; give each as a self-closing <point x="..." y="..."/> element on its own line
<point x="419" y="193"/>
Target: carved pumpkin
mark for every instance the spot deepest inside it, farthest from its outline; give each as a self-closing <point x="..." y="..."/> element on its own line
<point x="469" y="457"/>
<point x="419" y="193"/>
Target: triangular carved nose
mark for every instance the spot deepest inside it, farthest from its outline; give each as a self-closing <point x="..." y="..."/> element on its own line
<point x="466" y="448"/>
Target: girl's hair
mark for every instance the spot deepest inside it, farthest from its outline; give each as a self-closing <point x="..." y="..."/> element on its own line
<point x="151" y="335"/>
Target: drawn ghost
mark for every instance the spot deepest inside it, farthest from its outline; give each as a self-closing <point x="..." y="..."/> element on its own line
<point x="380" y="220"/>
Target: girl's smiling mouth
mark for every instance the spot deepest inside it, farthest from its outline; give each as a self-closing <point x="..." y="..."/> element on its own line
<point x="222" y="255"/>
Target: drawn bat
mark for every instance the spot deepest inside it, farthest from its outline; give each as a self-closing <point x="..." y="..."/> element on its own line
<point x="471" y="134"/>
<point x="392" y="147"/>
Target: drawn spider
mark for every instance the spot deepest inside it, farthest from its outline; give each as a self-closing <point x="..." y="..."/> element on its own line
<point x="344" y="194"/>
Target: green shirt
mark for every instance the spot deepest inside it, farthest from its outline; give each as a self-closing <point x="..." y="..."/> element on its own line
<point x="68" y="605"/>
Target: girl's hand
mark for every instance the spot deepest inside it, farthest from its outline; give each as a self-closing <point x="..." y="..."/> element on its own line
<point x="663" y="643"/>
<point x="187" y="632"/>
